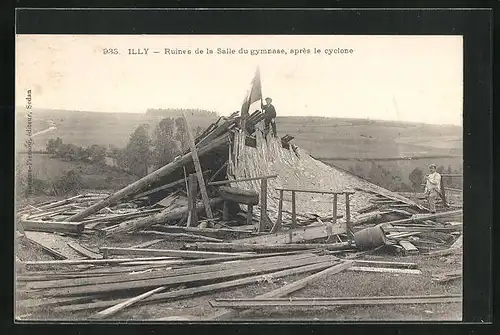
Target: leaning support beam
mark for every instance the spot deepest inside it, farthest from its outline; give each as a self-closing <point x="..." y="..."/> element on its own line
<point x="149" y="179"/>
<point x="197" y="167"/>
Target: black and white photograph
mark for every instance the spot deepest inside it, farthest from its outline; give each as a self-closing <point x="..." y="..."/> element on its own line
<point x="218" y="178"/>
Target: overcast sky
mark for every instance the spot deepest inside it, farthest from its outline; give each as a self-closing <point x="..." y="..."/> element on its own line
<point x="401" y="78"/>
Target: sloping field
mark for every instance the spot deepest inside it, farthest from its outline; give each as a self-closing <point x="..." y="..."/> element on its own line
<point x="298" y="171"/>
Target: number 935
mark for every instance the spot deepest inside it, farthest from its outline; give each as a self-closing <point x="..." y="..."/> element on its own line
<point x="109" y="51"/>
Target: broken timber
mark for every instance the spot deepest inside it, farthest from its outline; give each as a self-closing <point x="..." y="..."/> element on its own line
<point x="247" y="247"/>
<point x="295" y="235"/>
<point x="53" y="226"/>
<point x="164" y="252"/>
<point x="150" y="178"/>
<point x="350" y="301"/>
<point x="161" y="217"/>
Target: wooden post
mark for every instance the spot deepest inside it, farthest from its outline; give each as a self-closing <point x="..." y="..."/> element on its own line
<point x="277" y="226"/>
<point x="348" y="217"/>
<point x="225" y="212"/>
<point x="197" y="166"/>
<point x="443" y="194"/>
<point x="250" y="215"/>
<point x="334" y="214"/>
<point x="192" y="195"/>
<point x="294" y="214"/>
<point x="149" y="179"/>
<point x="263" y="204"/>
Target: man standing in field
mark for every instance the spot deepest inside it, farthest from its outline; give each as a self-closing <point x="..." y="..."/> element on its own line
<point x="432" y="187"/>
<point x="270" y="116"/>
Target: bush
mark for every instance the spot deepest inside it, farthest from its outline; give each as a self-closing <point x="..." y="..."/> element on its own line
<point x="71" y="182"/>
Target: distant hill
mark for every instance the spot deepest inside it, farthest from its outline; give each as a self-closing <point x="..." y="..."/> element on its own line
<point x="177" y="112"/>
<point x="322" y="137"/>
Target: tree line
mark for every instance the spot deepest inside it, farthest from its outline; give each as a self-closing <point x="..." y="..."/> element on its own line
<point x="146" y="148"/>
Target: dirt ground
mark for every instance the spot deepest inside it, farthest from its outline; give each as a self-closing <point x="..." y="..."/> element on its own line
<point x="343" y="284"/>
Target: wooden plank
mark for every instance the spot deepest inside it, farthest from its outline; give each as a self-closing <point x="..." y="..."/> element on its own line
<point x="150" y="179"/>
<point x="458" y="243"/>
<point x="249" y="215"/>
<point x="247" y="247"/>
<point x="184" y="279"/>
<point x="45" y="248"/>
<point x="203" y="289"/>
<point x="294" y="211"/>
<point x="334" y="209"/>
<point x="313" y="191"/>
<point x="277" y="226"/>
<point x="301" y="283"/>
<point x="421" y="229"/>
<point x="84" y="251"/>
<point x="348" y="217"/>
<point x="408" y="247"/>
<point x="91" y="261"/>
<point x="263" y="204"/>
<point x="165" y="252"/>
<point x="115" y="309"/>
<point x="385" y="270"/>
<point x="295" y="235"/>
<point x="225" y="182"/>
<point x="53" y="226"/>
<point x="148" y="243"/>
<point x="197" y="166"/>
<point x="180" y="236"/>
<point x="109" y="218"/>
<point x="445" y="252"/>
<point x="350" y="301"/>
<point x="404" y="265"/>
<point x="192" y="194"/>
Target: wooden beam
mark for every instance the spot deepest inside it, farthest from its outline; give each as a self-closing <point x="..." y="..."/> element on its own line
<point x="162" y="217"/>
<point x="148" y="243"/>
<point x="295" y="235"/>
<point x="225" y="182"/>
<point x="237" y="247"/>
<point x="53" y="226"/>
<point x="294" y="211"/>
<point x="263" y="204"/>
<point x="312" y="191"/>
<point x="277" y="226"/>
<point x="164" y="252"/>
<point x="348" y="217"/>
<point x="197" y="166"/>
<point x="347" y="301"/>
<point x="193" y="191"/>
<point x="45" y="248"/>
<point x="385" y="270"/>
<point x="150" y="179"/>
<point x="249" y="215"/>
<point x="115" y="309"/>
<point x="84" y="251"/>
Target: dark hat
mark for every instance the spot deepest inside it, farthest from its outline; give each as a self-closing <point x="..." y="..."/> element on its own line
<point x="268" y="98"/>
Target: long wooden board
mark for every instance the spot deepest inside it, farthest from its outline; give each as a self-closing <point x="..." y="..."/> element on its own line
<point x="183" y="279"/>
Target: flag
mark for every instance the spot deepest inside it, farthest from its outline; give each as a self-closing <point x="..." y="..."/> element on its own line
<point x="253" y="95"/>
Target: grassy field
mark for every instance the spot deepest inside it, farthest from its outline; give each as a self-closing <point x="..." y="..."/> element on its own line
<point x="93" y="176"/>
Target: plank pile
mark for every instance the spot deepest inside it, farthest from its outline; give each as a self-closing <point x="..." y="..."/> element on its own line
<point x="109" y="285"/>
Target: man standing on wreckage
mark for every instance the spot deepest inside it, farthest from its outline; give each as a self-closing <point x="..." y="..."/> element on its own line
<point x="432" y="187"/>
<point x="270" y="116"/>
